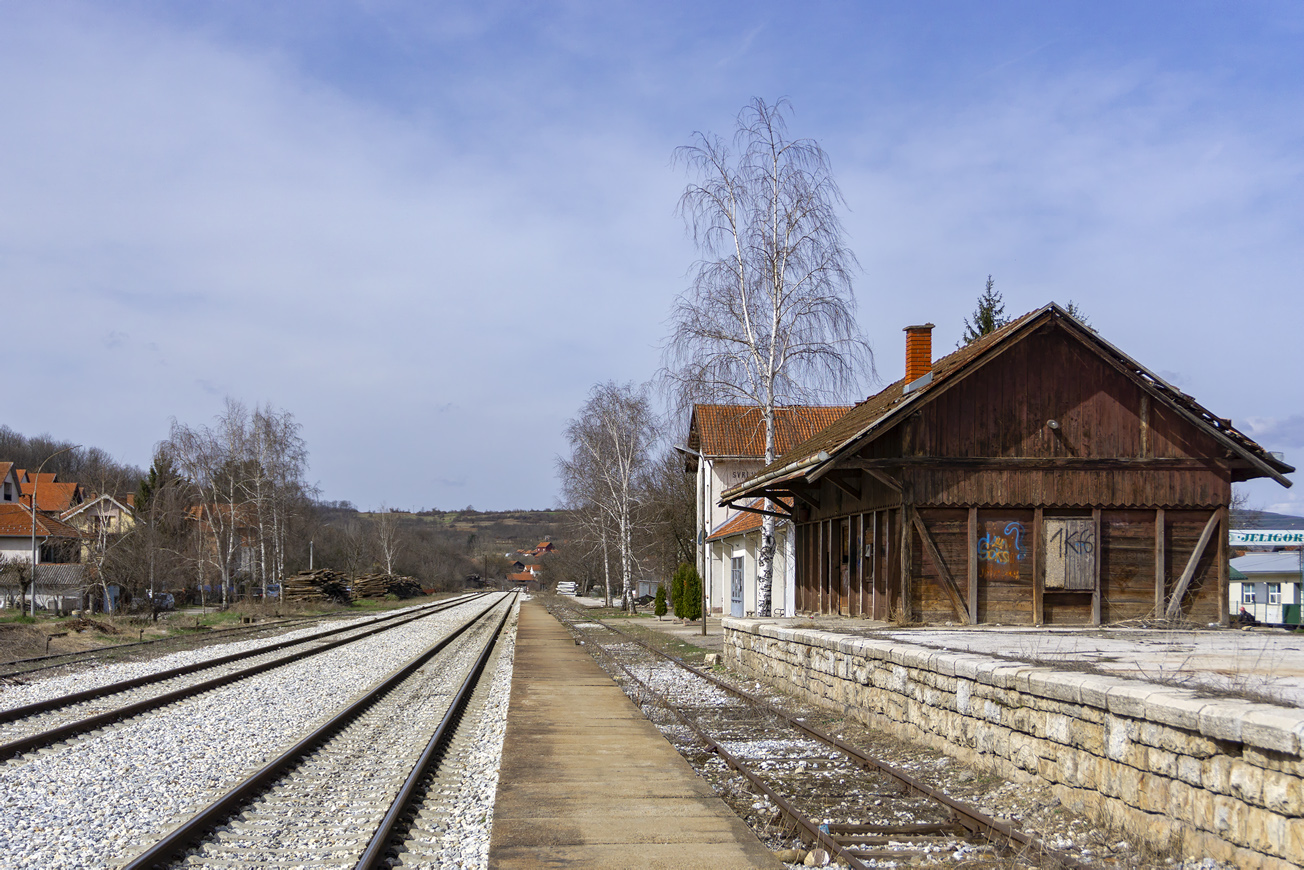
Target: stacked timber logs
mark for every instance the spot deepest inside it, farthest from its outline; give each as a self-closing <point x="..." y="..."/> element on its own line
<point x="326" y="584"/>
<point x="323" y="584"/>
<point x="380" y="585"/>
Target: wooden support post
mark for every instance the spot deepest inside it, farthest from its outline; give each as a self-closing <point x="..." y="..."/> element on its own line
<point x="1161" y="575"/>
<point x="1095" y="596"/>
<point x="973" y="566"/>
<point x="1038" y="570"/>
<point x="873" y="571"/>
<point x="907" y="562"/>
<point x="1179" y="591"/>
<point x="860" y="565"/>
<point x="1224" y="528"/>
<point x="831" y="567"/>
<point x="943" y="574"/>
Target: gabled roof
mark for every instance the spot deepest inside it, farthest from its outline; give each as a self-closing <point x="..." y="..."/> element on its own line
<point x="51" y="495"/>
<point x="16" y="521"/>
<point x="739" y="430"/>
<point x="883" y="410"/>
<point x="91" y="502"/>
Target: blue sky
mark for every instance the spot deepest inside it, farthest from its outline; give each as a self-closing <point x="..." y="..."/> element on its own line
<point x="427" y="229"/>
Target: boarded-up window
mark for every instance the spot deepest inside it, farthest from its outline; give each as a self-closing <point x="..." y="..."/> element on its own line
<point x="1070" y="553"/>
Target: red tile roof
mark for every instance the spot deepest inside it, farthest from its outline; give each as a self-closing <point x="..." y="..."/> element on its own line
<point x="52" y="496"/>
<point x="744" y="521"/>
<point x="738" y="430"/>
<point x="16" y="521"/>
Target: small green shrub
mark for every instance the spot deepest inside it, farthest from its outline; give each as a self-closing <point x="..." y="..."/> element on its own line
<point x="659" y="606"/>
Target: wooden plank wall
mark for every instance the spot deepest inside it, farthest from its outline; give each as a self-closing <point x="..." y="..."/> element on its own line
<point x="1127" y="565"/>
<point x="1182" y="533"/>
<point x="950" y="531"/>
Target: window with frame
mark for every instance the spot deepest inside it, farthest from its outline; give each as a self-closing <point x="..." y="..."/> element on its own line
<point x="1247" y="593"/>
<point x="1274" y="593"/>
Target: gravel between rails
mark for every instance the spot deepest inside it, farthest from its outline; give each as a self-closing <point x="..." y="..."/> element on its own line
<point x="453" y="827"/>
<point x="96" y="799"/>
<point x="321" y="814"/>
<point x="94" y="675"/>
<point x="36" y="723"/>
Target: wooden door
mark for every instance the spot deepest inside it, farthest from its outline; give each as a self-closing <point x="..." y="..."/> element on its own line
<point x="844" y="567"/>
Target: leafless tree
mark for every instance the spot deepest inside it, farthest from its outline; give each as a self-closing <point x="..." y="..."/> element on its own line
<point x="388" y="539"/>
<point x="668" y="514"/>
<point x="769" y="318"/>
<point x="246" y="474"/>
<point x="611" y="440"/>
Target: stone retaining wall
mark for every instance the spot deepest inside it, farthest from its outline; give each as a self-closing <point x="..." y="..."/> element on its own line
<point x="1210" y="777"/>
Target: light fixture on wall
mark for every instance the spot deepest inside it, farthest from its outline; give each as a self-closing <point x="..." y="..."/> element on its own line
<point x="1052" y="424"/>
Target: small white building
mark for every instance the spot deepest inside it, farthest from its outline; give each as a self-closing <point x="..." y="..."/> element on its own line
<point x="1267" y="586"/>
<point x="726" y="445"/>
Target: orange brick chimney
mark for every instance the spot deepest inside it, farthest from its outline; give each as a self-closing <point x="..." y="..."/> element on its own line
<point x="919" y="351"/>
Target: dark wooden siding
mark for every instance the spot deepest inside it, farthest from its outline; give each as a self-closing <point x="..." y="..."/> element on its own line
<point x="950" y="531"/>
<point x="1005" y="584"/>
<point x="1182" y="533"/>
<point x="1127" y="565"/>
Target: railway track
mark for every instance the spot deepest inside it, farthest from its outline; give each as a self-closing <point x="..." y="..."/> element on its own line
<point x="798" y="786"/>
<point x="29" y="727"/>
<point x="360" y="789"/>
<point x="14" y="669"/>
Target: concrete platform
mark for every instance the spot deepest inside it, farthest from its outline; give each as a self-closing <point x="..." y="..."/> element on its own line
<point x="587" y="781"/>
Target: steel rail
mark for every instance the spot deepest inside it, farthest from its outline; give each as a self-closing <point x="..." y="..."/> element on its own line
<point x="14" y="713"/>
<point x="815" y="833"/>
<point x="190" y="832"/>
<point x="88" y="654"/>
<point x="374" y="855"/>
<point x="80" y="726"/>
<point x="973" y="819"/>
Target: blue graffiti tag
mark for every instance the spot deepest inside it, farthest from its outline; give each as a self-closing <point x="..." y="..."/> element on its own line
<point x="1017" y="530"/>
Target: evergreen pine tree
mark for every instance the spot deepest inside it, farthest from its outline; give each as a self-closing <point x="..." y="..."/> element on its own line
<point x="677" y="590"/>
<point x="659" y="606"/>
<point x="1076" y="312"/>
<point x="988" y="317"/>
<point x="692" y="594"/>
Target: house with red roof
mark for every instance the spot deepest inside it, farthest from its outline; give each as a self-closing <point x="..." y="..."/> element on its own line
<point x="726" y="446"/>
<point x="9" y="488"/>
<point x="53" y="496"/>
<point x="59" y="577"/>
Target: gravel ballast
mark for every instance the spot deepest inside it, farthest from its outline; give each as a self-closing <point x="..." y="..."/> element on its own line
<point x="98" y="798"/>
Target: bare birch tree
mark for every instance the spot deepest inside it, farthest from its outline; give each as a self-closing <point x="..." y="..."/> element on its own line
<point x="388" y="540"/>
<point x="611" y="441"/>
<point x="769" y="318"/>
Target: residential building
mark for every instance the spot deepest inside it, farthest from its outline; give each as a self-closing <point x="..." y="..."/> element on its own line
<point x="725" y="446"/>
<point x="1267" y="586"/>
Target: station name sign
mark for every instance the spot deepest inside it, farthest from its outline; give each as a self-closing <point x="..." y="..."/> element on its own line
<point x="1266" y="537"/>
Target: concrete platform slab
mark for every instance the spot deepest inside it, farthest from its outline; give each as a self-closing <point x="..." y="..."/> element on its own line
<point x="586" y="781"/>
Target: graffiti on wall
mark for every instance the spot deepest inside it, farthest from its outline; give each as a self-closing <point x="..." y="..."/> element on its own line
<point x="999" y="555"/>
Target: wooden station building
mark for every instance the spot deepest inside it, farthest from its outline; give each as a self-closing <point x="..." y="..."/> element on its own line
<point x="1038" y="476"/>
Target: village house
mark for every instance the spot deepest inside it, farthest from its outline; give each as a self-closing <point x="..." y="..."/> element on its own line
<point x="1038" y="476"/>
<point x="101" y="517"/>
<point x="1266" y="586"/>
<point x="59" y="578"/>
<point x="726" y="446"/>
<point x="53" y="496"/>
